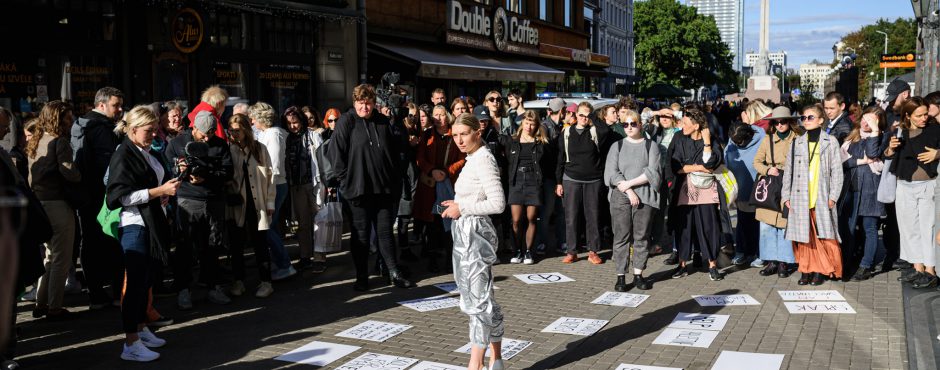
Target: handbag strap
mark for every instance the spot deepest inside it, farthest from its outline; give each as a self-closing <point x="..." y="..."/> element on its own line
<point x="773" y="162"/>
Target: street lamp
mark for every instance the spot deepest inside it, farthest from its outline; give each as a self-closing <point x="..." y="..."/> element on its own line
<point x="885" y="78"/>
<point x="921" y="8"/>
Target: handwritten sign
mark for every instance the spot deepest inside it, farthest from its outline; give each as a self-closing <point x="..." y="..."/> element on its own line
<point x="686" y="338"/>
<point x="699" y="321"/>
<point x="818" y="307"/>
<point x="575" y="326"/>
<point x="318" y="353"/>
<point x="374" y="331"/>
<point x="428" y="365"/>
<point x="644" y="367"/>
<point x="451" y="287"/>
<point x="377" y="361"/>
<point x="620" y="299"/>
<point x="544" y="278"/>
<point x="725" y="300"/>
<point x="431" y="303"/>
<point x="510" y="348"/>
<point x="810" y="295"/>
<point x="731" y="360"/>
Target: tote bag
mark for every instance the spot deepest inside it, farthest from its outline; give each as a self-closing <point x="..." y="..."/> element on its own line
<point x="328" y="228"/>
<point x="888" y="184"/>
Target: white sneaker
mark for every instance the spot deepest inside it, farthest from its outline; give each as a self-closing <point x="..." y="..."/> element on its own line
<point x="237" y="289"/>
<point x="30" y="296"/>
<point x="138" y="352"/>
<point x="149" y="339"/>
<point x="264" y="290"/>
<point x="283" y="273"/>
<point x="218" y="297"/>
<point x="72" y="285"/>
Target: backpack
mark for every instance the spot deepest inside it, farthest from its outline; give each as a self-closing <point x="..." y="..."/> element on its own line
<point x="324" y="165"/>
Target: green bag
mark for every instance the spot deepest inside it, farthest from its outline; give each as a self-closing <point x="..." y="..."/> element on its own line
<point x="109" y="219"/>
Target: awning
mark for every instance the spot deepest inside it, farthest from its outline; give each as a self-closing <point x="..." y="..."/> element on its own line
<point x="459" y="66"/>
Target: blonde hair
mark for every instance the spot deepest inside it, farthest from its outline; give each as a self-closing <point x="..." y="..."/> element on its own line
<point x="632" y="114"/>
<point x="49" y="122"/>
<point x="539" y="134"/>
<point x="214" y="95"/>
<point x="756" y="111"/>
<point x="449" y="117"/>
<point x="263" y="113"/>
<point x="244" y="125"/>
<point x="468" y="120"/>
<point x="140" y="116"/>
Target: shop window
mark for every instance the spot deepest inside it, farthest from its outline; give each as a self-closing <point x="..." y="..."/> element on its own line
<point x="546" y="8"/>
<point x="284" y="85"/>
<point x="568" y="12"/>
<point x="516" y="6"/>
<point x="232" y="77"/>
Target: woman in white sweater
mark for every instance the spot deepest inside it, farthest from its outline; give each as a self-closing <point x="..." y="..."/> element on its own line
<point x="478" y="194"/>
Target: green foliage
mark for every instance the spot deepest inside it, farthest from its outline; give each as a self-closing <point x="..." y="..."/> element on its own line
<point x="676" y="45"/>
<point x="807" y="91"/>
<point x="869" y="45"/>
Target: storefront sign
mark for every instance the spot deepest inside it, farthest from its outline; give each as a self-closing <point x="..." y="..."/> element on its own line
<point x="17" y="79"/>
<point x="898" y="60"/>
<point x="188" y="30"/>
<point x="573" y="55"/>
<point x="335" y="55"/>
<point x="472" y="25"/>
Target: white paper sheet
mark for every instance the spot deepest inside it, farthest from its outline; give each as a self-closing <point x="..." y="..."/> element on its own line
<point x="644" y="367"/>
<point x="819" y="307"/>
<point x="377" y="361"/>
<point x="702" y="321"/>
<point x="374" y="331"/>
<point x="510" y="348"/>
<point x="726" y="300"/>
<point x="318" y="353"/>
<point x="451" y="287"/>
<point x="686" y="338"/>
<point x="428" y="365"/>
<point x="621" y="299"/>
<point x="730" y="360"/>
<point x="810" y="295"/>
<point x="431" y="303"/>
<point x="543" y="278"/>
<point x="575" y="326"/>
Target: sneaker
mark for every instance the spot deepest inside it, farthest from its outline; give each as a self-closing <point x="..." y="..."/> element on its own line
<point x="570" y="258"/>
<point x="563" y="248"/>
<point x="540" y="249"/>
<point x="72" y="285"/>
<point x="217" y="296"/>
<point x="739" y="259"/>
<point x="264" y="290"/>
<point x="527" y="258"/>
<point x="161" y="322"/>
<point x="184" y="300"/>
<point x="714" y="275"/>
<point x="909" y="276"/>
<point x="517" y="258"/>
<point x="30" y="296"/>
<point x="138" y="352"/>
<point x="925" y="281"/>
<point x="237" y="288"/>
<point x="680" y="272"/>
<point x="282" y="274"/>
<point x="149" y="339"/>
<point x="862" y="274"/>
<point x="673" y="259"/>
<point x="594" y="258"/>
<point x="757" y="262"/>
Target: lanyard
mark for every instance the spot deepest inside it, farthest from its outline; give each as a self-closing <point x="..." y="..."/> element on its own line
<point x="812" y="153"/>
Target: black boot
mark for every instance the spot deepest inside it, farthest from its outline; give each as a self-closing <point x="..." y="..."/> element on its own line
<point x="818" y="279"/>
<point x="640" y="283"/>
<point x="805" y="279"/>
<point x="769" y="269"/>
<point x="361" y="284"/>
<point x="621" y="285"/>
<point x="672" y="259"/>
<point x="400" y="281"/>
<point x="783" y="271"/>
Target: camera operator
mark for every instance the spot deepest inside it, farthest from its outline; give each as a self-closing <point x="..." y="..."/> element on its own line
<point x="201" y="200"/>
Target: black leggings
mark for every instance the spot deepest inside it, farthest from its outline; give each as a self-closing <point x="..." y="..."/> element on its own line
<point x="368" y="212"/>
<point x="139" y="280"/>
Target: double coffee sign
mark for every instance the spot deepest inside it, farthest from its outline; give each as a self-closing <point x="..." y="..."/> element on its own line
<point x="477" y="26"/>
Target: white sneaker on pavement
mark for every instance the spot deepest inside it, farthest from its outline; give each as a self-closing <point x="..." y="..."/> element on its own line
<point x="237" y="288"/>
<point x="217" y="296"/>
<point x="149" y="339"/>
<point x="138" y="352"/>
<point x="264" y="289"/>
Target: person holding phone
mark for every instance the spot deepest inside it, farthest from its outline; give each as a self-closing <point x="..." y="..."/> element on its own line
<point x="863" y="168"/>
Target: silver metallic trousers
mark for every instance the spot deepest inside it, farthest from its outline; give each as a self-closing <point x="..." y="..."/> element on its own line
<point x="475" y="242"/>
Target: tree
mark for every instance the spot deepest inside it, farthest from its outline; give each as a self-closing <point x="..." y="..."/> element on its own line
<point x="807" y="95"/>
<point x="869" y="45"/>
<point x="676" y="45"/>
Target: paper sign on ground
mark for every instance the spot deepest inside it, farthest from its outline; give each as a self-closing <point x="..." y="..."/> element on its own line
<point x="510" y="348"/>
<point x="726" y="300"/>
<point x="810" y="295"/>
<point x="378" y="361"/>
<point x="451" y="287"/>
<point x="686" y="338"/>
<point x="375" y="331"/>
<point x="543" y="278"/>
<point x="703" y="321"/>
<point x="428" y="365"/>
<point x="730" y="360"/>
<point x="644" y="367"/>
<point x="621" y="299"/>
<point x="575" y="326"/>
<point x="318" y="353"/>
<point x="819" y="307"/>
<point x="431" y="303"/>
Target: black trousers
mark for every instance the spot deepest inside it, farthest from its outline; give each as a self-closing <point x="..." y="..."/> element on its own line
<point x="368" y="212"/>
<point x="241" y="237"/>
<point x="102" y="257"/>
<point x="582" y="200"/>
<point x="202" y="223"/>
<point x="699" y="227"/>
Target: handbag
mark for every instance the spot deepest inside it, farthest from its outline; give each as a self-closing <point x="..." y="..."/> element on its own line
<point x="768" y="189"/>
<point x="109" y="219"/>
<point x="328" y="227"/>
<point x="888" y="184"/>
<point x="728" y="183"/>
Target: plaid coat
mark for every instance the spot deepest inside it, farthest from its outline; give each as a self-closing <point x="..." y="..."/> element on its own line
<point x="796" y="189"/>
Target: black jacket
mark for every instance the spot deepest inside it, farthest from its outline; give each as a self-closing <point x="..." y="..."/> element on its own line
<point x="130" y="172"/>
<point x="94" y="143"/>
<point x="584" y="160"/>
<point x="543" y="155"/>
<point x="365" y="154"/>
<point x="217" y="169"/>
<point x="841" y="129"/>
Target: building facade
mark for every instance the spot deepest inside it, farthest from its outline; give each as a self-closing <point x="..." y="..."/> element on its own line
<point x="616" y="39"/>
<point x="778" y="58"/>
<point x="815" y="74"/>
<point x="729" y="16"/>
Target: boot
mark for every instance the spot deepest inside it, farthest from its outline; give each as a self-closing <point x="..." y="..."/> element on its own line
<point x="640" y="283"/>
<point x="621" y="285"/>
<point x="768" y="270"/>
<point x="400" y="281"/>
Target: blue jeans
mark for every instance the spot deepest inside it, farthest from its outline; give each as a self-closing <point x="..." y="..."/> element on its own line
<point x="278" y="251"/>
<point x="873" y="249"/>
<point x="551" y="208"/>
<point x="774" y="245"/>
<point x="745" y="234"/>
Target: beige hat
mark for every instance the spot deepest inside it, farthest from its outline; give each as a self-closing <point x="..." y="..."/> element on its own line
<point x="780" y="112"/>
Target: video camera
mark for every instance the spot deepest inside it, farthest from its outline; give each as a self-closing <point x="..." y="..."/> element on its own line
<point x="387" y="93"/>
<point x="196" y="160"/>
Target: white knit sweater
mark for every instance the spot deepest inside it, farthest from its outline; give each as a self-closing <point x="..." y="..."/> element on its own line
<point x="478" y="190"/>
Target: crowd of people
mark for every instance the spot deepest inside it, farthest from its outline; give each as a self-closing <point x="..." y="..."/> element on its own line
<point x="131" y="196"/>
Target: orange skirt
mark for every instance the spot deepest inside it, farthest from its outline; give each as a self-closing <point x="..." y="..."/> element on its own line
<point x="819" y="255"/>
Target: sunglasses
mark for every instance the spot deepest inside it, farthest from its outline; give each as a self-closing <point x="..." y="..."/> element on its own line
<point x="583" y="115"/>
<point x="631" y="124"/>
<point x="781" y="123"/>
<point x="331" y="120"/>
<point x="807" y="118"/>
<point x="493" y="99"/>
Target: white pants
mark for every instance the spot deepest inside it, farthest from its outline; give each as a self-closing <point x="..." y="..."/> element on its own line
<point x="915" y="210"/>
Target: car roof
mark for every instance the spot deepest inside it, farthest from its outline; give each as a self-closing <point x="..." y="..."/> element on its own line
<point x="597" y="103"/>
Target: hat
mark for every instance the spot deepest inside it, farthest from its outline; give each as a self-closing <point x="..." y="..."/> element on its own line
<point x="556" y="104"/>
<point x="481" y="113"/>
<point x="894" y="89"/>
<point x="573" y="108"/>
<point x="780" y="112"/>
<point x="205" y="122"/>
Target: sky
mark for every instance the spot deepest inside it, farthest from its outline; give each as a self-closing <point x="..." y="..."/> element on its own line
<point x="807" y="29"/>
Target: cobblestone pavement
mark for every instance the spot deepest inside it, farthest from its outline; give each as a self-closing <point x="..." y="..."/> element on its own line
<point x="250" y="332"/>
